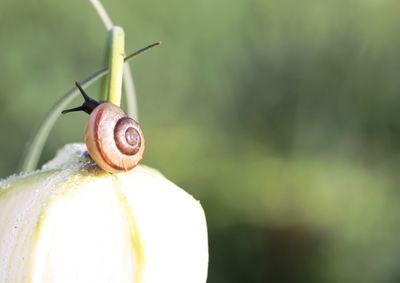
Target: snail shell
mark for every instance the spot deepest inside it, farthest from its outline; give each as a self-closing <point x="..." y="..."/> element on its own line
<point x="114" y="141"/>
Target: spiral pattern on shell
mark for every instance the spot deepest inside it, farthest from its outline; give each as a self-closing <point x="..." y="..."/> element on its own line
<point x="114" y="140"/>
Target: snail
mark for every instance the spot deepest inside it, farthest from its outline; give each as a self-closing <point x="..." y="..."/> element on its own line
<point x="113" y="139"/>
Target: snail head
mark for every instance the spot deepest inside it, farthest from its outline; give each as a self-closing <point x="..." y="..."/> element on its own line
<point x="88" y="105"/>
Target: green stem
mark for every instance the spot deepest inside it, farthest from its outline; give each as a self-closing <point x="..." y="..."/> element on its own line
<point x="35" y="145"/>
<point x="115" y="55"/>
<point x="130" y="93"/>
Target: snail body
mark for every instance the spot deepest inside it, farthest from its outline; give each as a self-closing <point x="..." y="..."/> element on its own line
<point x="113" y="139"/>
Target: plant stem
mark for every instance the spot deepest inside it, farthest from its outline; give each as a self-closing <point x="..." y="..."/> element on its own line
<point x="130" y="96"/>
<point x="35" y="145"/>
<point x="129" y="85"/>
<point x="112" y="91"/>
<point x="102" y="13"/>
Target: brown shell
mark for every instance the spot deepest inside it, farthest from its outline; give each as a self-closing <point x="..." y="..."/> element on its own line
<point x="107" y="126"/>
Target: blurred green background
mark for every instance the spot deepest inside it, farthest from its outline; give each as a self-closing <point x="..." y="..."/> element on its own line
<point x="280" y="116"/>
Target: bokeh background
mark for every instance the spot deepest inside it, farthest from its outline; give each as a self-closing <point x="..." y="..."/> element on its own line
<point x="281" y="117"/>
